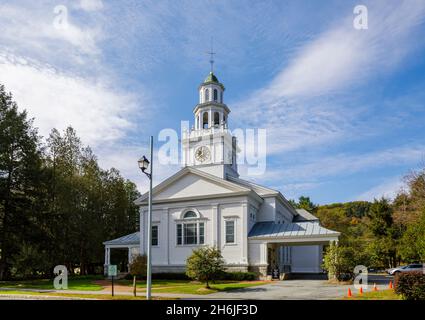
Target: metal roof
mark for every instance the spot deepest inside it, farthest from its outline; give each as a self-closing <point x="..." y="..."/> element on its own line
<point x="289" y="230"/>
<point x="304" y="215"/>
<point x="128" y="239"/>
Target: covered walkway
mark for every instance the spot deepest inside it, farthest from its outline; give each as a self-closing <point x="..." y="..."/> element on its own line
<point x="295" y="247"/>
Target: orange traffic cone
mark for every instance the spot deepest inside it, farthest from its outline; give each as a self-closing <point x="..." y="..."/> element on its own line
<point x="375" y="288"/>
<point x="361" y="291"/>
<point x="349" y="293"/>
<point x="390" y="285"/>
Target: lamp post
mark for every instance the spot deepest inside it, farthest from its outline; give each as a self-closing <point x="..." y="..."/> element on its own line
<point x="144" y="165"/>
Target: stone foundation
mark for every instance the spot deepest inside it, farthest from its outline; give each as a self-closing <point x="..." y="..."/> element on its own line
<point x="260" y="270"/>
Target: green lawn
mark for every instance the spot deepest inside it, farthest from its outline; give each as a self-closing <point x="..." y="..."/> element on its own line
<point x="85" y="283"/>
<point x="159" y="286"/>
<point x="83" y="296"/>
<point x="190" y="287"/>
<point x="376" y="295"/>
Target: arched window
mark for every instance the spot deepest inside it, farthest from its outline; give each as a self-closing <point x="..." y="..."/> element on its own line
<point x="215" y="95"/>
<point x="190" y="230"/>
<point x="216" y="118"/>
<point x="190" y="214"/>
<point x="224" y="119"/>
<point x="221" y="97"/>
<point x="205" y="120"/>
<point x="207" y="95"/>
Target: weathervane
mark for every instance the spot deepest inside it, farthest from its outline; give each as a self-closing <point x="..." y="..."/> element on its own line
<point x="212" y="53"/>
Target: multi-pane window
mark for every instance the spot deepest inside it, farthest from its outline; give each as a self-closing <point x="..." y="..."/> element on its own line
<point x="230" y="231"/>
<point x="154" y="235"/>
<point x="215" y="95"/>
<point x="190" y="233"/>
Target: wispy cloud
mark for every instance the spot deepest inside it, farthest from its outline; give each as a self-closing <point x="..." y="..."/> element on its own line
<point x="97" y="111"/>
<point x="387" y="189"/>
<point x="346" y="164"/>
<point x="305" y="104"/>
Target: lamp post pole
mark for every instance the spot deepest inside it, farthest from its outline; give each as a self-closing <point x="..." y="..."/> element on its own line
<point x="144" y="165"/>
<point x="149" y="231"/>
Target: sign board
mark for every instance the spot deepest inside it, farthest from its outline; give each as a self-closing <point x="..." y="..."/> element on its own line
<point x="275" y="274"/>
<point x="112" y="270"/>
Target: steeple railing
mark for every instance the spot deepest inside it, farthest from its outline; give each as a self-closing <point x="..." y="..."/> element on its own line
<point x="195" y="133"/>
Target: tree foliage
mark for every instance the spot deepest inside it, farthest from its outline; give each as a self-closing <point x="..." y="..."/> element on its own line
<point x="205" y="264"/>
<point x="57" y="205"/>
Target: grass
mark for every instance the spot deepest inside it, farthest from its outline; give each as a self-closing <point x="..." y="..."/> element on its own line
<point x="84" y="284"/>
<point x="376" y="295"/>
<point x="155" y="283"/>
<point x="158" y="286"/>
<point x="79" y="296"/>
<point x="198" y="288"/>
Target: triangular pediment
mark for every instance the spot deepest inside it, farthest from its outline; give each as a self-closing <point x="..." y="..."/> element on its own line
<point x="192" y="183"/>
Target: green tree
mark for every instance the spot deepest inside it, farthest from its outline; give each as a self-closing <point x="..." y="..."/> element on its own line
<point x="383" y="246"/>
<point x="205" y="264"/>
<point x="138" y="267"/>
<point x="20" y="172"/>
<point x="339" y="262"/>
<point x="304" y="203"/>
<point x="412" y="246"/>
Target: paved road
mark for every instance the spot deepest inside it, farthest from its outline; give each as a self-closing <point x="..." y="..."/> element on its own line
<point x="298" y="290"/>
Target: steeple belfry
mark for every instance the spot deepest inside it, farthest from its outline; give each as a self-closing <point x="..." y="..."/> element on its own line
<point x="209" y="146"/>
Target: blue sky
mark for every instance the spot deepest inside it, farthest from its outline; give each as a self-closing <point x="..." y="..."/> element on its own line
<point x="344" y="109"/>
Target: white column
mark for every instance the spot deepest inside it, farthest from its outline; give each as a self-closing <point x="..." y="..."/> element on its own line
<point x="168" y="242"/>
<point x="244" y="235"/>
<point x="264" y="253"/>
<point x="214" y="226"/>
<point x="107" y="256"/>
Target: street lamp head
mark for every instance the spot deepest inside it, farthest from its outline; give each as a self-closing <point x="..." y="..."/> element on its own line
<point x="143" y="163"/>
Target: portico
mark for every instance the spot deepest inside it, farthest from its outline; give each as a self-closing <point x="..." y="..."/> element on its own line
<point x="291" y="247"/>
<point x="128" y="242"/>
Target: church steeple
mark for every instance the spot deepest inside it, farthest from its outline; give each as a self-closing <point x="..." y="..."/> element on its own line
<point x="209" y="146"/>
<point x="211" y="110"/>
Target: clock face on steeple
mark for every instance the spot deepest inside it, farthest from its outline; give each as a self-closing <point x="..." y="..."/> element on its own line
<point x="202" y="153"/>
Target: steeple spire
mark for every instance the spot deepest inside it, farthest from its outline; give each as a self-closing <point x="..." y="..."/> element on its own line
<point x="212" y="53"/>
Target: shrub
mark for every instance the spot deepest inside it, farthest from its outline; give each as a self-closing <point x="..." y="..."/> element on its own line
<point x="410" y="285"/>
<point x="205" y="264"/>
<point x="339" y="262"/>
<point x="238" y="276"/>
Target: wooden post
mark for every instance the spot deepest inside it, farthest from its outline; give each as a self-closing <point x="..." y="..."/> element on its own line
<point x="112" y="285"/>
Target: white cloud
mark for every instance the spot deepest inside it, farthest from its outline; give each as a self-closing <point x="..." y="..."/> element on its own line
<point x="49" y="31"/>
<point x="387" y="189"/>
<point x="303" y="106"/>
<point x="124" y="158"/>
<point x="94" y="108"/>
<point x="91" y="5"/>
<point x="343" y="164"/>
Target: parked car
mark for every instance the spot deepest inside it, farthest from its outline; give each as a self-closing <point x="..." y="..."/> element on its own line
<point x="408" y="268"/>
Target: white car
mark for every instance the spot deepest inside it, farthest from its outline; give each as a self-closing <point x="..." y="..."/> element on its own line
<point x="408" y="268"/>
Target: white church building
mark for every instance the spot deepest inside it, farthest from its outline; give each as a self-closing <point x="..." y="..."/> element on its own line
<point x="206" y="203"/>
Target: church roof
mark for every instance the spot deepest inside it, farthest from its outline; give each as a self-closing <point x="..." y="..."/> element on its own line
<point x="133" y="238"/>
<point x="272" y="230"/>
<point x="211" y="78"/>
<point x="263" y="192"/>
<point x="304" y="215"/>
<point x="234" y="188"/>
